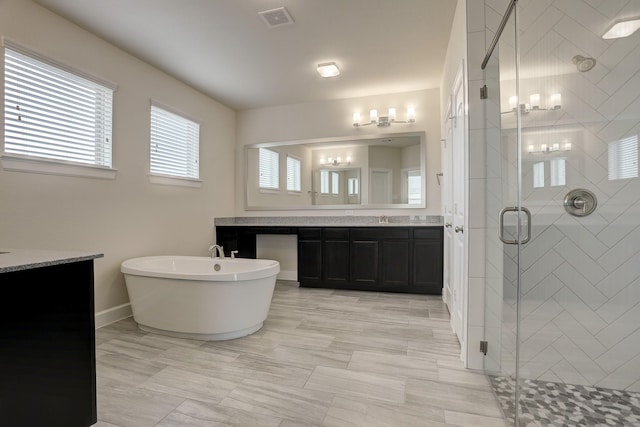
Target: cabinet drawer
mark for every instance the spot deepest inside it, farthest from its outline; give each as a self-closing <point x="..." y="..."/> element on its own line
<point x="379" y="233"/>
<point x="427" y="233"/>
<point x="309" y="233"/>
<point x="336" y="234"/>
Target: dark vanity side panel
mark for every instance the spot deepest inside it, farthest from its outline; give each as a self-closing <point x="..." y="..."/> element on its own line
<point x="47" y="353"/>
<point x="427" y="256"/>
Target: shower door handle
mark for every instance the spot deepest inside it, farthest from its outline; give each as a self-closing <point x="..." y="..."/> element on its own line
<point x="501" y="225"/>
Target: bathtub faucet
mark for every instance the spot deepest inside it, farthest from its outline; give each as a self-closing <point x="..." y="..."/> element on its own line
<point x="214" y="248"/>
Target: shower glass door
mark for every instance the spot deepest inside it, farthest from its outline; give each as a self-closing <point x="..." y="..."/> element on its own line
<point x="562" y="313"/>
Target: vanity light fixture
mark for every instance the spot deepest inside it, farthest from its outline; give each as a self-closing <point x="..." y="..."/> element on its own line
<point x="549" y="148"/>
<point x="328" y="69"/>
<point x="384" y="121"/>
<point x="555" y="103"/>
<point x="337" y="161"/>
<point x="622" y="28"/>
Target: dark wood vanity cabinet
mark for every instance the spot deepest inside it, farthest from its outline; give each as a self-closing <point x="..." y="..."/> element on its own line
<point x="391" y="259"/>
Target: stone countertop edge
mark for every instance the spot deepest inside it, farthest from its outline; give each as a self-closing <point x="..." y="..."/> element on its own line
<point x="25" y="259"/>
<point x="331" y="221"/>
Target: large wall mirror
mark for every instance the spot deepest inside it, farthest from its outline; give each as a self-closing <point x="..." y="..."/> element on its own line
<point x="338" y="173"/>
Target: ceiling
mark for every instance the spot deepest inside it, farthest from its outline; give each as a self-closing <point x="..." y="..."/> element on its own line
<point x="224" y="49"/>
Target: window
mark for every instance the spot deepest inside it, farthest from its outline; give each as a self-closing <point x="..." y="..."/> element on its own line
<point x="623" y="158"/>
<point x="324" y="181"/>
<point x="335" y="183"/>
<point x="293" y="174"/>
<point x="52" y="112"/>
<point x="538" y="175"/>
<point x="352" y="186"/>
<point x="558" y="172"/>
<point x="413" y="186"/>
<point x="269" y="169"/>
<point x="175" y="144"/>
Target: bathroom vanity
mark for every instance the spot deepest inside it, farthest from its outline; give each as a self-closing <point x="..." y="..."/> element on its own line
<point x="400" y="257"/>
<point x="47" y="339"/>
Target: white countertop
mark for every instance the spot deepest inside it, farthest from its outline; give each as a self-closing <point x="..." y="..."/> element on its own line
<point x="24" y="259"/>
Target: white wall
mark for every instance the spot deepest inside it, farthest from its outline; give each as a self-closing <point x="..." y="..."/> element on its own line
<point x="128" y="216"/>
<point x="334" y="119"/>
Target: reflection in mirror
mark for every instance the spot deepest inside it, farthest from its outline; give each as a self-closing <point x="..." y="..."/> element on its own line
<point x="336" y="187"/>
<point x="362" y="172"/>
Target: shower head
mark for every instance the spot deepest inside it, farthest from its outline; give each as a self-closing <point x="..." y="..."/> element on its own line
<point x="584" y="64"/>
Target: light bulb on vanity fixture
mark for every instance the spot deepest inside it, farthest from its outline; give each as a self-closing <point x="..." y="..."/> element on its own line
<point x="555" y="103"/>
<point x="384" y="121"/>
<point x="549" y="148"/>
<point x="337" y="161"/>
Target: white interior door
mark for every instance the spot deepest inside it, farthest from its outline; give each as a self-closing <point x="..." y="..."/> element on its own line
<point x="447" y="208"/>
<point x="380" y="184"/>
<point x="458" y="216"/>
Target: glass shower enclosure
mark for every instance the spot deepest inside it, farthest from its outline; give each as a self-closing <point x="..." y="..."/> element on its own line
<point x="562" y="289"/>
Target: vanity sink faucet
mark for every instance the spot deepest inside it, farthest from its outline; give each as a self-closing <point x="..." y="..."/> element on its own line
<point x="214" y="248"/>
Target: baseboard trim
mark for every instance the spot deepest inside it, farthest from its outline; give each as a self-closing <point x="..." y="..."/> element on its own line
<point x="111" y="315"/>
<point x="287" y="275"/>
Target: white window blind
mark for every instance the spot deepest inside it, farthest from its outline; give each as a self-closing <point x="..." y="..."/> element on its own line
<point x="54" y="113"/>
<point x="175" y="144"/>
<point x="269" y="166"/>
<point x="293" y="174"/>
<point x="623" y="158"/>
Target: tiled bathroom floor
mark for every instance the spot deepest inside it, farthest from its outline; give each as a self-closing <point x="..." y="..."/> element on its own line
<point x="323" y="358"/>
<point x="545" y="403"/>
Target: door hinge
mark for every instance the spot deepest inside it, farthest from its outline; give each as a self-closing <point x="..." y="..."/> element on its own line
<point x="484" y="347"/>
<point x="484" y="92"/>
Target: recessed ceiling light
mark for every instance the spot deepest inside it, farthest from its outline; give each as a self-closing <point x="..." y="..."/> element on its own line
<point x="622" y="28"/>
<point x="328" y="69"/>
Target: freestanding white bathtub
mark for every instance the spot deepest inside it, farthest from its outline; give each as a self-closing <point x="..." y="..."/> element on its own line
<point x="200" y="297"/>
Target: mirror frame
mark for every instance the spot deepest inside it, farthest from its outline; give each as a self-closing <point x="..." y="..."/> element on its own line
<point x="338" y="140"/>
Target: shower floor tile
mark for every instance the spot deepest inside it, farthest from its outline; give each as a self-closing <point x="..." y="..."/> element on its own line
<point x="546" y="403"/>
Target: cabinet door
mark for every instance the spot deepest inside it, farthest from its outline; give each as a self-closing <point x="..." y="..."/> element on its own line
<point x="364" y="262"/>
<point x="394" y="265"/>
<point x="427" y="266"/>
<point x="335" y="264"/>
<point x="309" y="261"/>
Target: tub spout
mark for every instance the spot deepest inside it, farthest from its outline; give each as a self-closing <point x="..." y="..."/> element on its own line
<point x="219" y="249"/>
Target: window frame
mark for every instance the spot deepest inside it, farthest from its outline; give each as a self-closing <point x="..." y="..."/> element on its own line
<point x="297" y="175"/>
<point x="13" y="161"/>
<point x="275" y="171"/>
<point x="165" y="178"/>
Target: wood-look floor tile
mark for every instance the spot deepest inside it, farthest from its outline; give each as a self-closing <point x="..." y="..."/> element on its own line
<point x="189" y="385"/>
<point x="460" y="419"/>
<point x="393" y="365"/>
<point x="452" y="397"/>
<point x="295" y="403"/>
<point x="127" y="406"/>
<point x="323" y="358"/>
<point x="180" y="356"/>
<point x="193" y="413"/>
<point x="126" y="369"/>
<point x="349" y="412"/>
<point x="309" y="358"/>
<point x="355" y="383"/>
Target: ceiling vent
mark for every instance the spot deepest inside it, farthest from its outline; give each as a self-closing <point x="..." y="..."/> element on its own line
<point x="276" y="17"/>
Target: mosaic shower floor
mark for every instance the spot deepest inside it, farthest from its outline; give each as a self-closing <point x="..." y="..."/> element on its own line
<point x="546" y="403"/>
